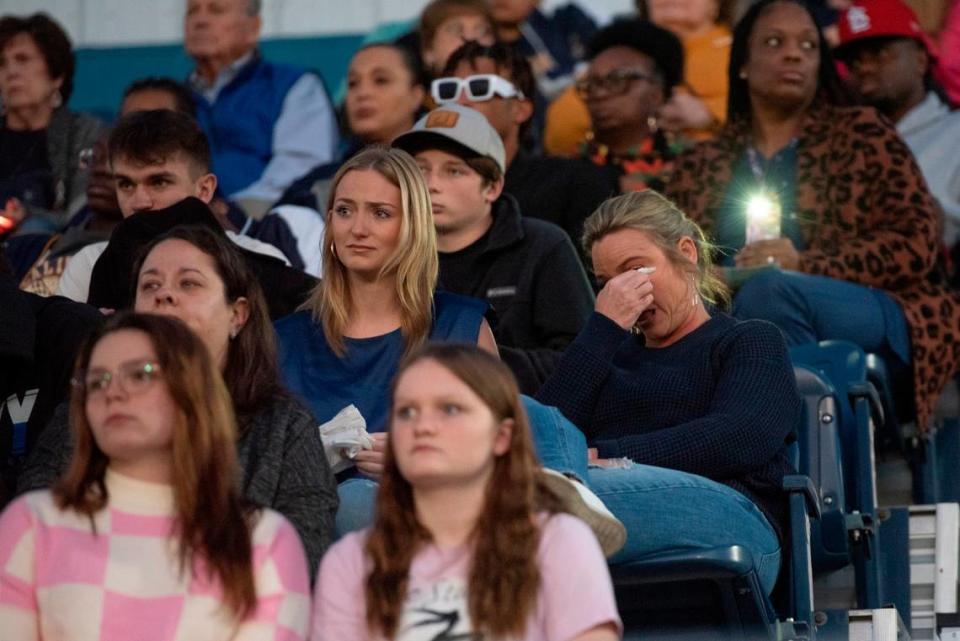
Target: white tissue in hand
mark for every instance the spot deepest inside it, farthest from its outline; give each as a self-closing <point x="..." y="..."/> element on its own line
<point x="344" y="436"/>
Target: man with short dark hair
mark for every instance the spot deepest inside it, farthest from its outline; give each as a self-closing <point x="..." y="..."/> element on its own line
<point x="268" y="123"/>
<point x="526" y="269"/>
<point x="890" y="60"/>
<point x="563" y="191"/>
<point x="40" y="260"/>
<point x="157" y="92"/>
<point x="158" y="158"/>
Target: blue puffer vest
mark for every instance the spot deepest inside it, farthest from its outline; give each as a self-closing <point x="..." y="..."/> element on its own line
<point x="239" y="124"/>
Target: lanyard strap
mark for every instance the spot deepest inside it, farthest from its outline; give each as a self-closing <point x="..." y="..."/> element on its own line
<point x="757" y="168"/>
<point x="759" y="165"/>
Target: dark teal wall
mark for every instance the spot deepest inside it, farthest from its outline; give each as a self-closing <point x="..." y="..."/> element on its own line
<point x="102" y="74"/>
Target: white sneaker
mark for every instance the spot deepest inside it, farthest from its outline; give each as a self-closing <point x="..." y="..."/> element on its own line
<point x="587" y="506"/>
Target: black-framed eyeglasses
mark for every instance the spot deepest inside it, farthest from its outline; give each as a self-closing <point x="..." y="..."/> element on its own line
<point x="134" y="378"/>
<point x="616" y="82"/>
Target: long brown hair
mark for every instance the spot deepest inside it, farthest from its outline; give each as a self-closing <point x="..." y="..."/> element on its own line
<point x="414" y="262"/>
<point x="504" y="576"/>
<point x="211" y="519"/>
<point x="252" y="372"/>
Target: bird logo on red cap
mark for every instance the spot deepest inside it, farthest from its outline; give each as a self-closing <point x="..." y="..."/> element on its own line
<point x="858" y="19"/>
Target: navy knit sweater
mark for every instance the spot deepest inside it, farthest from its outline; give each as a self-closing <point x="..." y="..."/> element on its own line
<point x="721" y="403"/>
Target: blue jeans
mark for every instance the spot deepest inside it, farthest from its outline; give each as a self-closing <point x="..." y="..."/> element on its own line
<point x="663" y="510"/>
<point x="358" y="497"/>
<point x="566" y="449"/>
<point x="809" y="309"/>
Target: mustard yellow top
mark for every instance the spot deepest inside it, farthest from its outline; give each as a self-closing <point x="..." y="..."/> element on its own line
<point x="706" y="58"/>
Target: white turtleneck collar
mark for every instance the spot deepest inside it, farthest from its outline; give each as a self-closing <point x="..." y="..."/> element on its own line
<point x="138" y="497"/>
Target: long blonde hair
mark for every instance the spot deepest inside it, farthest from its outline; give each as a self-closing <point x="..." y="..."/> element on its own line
<point x="666" y="225"/>
<point x="414" y="262"/>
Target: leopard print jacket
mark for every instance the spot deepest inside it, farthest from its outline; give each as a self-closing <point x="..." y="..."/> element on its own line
<point x="865" y="215"/>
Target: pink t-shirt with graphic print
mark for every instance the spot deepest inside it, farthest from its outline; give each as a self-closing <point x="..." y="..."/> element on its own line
<point x="61" y="582"/>
<point x="575" y="593"/>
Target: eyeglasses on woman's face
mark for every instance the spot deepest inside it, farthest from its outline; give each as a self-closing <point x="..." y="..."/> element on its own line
<point x="133" y="378"/>
<point x="615" y="83"/>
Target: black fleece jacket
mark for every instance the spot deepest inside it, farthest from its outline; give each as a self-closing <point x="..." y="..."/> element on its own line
<point x="539" y="294"/>
<point x="563" y="191"/>
<point x="39" y="338"/>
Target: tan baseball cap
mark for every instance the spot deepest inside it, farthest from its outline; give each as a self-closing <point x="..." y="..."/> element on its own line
<point x="455" y="123"/>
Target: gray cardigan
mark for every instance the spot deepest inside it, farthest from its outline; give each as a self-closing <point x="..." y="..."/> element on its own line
<point x="68" y="134"/>
<point x="281" y="455"/>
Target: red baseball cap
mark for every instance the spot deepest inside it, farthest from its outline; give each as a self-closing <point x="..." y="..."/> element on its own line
<point x="880" y="19"/>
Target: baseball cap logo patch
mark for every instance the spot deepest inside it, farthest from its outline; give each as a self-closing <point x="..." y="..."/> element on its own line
<point x="442" y="119"/>
<point x="859" y="19"/>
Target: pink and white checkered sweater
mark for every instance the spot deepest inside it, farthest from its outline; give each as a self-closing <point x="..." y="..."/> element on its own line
<point x="61" y="582"/>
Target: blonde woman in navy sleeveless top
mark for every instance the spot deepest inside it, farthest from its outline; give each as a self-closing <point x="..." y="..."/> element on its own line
<point x="377" y="300"/>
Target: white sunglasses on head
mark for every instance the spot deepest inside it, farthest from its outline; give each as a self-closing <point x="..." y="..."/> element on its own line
<point x="479" y="88"/>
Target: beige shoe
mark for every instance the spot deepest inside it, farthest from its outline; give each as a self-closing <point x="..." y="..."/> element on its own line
<point x="587" y="506"/>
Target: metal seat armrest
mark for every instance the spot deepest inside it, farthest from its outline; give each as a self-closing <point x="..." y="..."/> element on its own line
<point x="800" y="484"/>
<point x="869" y="392"/>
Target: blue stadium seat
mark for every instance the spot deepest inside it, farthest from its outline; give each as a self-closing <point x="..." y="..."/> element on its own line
<point x="716" y="593"/>
<point x="820" y="458"/>
<point x="932" y="456"/>
<point x="707" y="594"/>
<point x="897" y="402"/>
<point x="850" y="529"/>
<point x="844" y="364"/>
